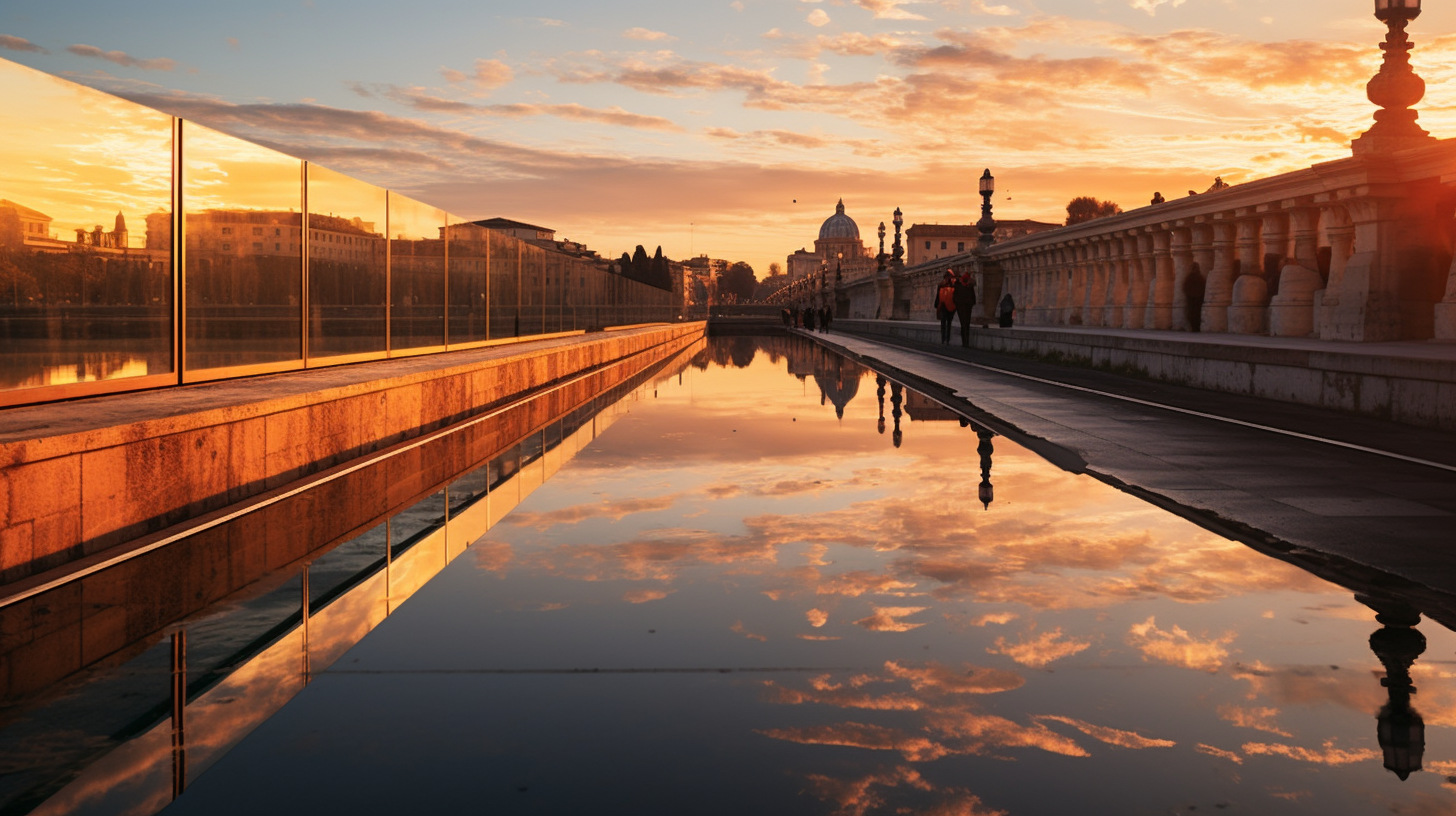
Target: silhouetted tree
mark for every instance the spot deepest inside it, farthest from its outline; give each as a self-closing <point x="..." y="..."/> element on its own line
<point x="661" y="276"/>
<point x="625" y="263"/>
<point x="1086" y="208"/>
<point x="738" y="280"/>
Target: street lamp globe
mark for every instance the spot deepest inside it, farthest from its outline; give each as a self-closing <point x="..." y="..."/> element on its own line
<point x="1397" y="9"/>
<point x="988" y="182"/>
<point x="899" y="218"/>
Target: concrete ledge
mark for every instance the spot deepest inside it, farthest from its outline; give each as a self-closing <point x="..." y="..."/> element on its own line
<point x="79" y="477"/>
<point x="1413" y="383"/>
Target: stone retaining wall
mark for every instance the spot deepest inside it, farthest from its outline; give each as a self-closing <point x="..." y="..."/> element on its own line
<point x="77" y="478"/>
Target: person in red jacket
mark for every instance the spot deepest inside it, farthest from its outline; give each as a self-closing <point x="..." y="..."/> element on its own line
<point x="945" y="308"/>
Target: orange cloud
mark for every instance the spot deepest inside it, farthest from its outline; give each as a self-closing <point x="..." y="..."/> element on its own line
<point x="842" y="698"/>
<point x="607" y="508"/>
<point x="941" y="679"/>
<point x="977" y="732"/>
<point x="855" y="584"/>
<point x="887" y="619"/>
<point x="1111" y="736"/>
<point x="738" y="628"/>
<point x="1220" y="753"/>
<point x="1042" y="650"/>
<point x="861" y="735"/>
<point x="1327" y="755"/>
<point x="1259" y="719"/>
<point x="638" y="596"/>
<point x="817" y="617"/>
<point x="1176" y="647"/>
<point x="995" y="617"/>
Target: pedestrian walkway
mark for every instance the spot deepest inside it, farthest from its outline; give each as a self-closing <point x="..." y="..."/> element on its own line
<point x="1273" y="490"/>
<point x="1412" y="382"/>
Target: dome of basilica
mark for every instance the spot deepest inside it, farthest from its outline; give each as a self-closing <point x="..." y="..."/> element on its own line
<point x="839" y="226"/>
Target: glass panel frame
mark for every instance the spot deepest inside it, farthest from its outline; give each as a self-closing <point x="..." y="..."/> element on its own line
<point x="417" y="276"/>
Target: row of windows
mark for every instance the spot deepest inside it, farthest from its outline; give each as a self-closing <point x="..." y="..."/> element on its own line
<point x="960" y="245"/>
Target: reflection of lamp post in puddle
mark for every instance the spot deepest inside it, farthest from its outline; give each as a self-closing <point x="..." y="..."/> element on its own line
<point x="1400" y="729"/>
<point x="880" y="395"/>
<point x="986" y="493"/>
<point x="896" y="397"/>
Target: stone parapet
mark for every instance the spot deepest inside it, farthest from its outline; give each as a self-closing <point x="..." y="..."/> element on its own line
<point x="1356" y="249"/>
<point x="1413" y="383"/>
<point x="77" y="478"/>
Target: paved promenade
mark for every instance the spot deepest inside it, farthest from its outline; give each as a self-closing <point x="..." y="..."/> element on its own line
<point x="1275" y="491"/>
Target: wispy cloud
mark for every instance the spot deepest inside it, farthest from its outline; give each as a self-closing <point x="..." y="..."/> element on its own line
<point x="647" y="34"/>
<point x="122" y="58"/>
<point x="488" y="75"/>
<point x="20" y="44"/>
<point x="889" y="9"/>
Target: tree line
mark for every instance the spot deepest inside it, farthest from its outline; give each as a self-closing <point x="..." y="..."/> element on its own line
<point x="652" y="271"/>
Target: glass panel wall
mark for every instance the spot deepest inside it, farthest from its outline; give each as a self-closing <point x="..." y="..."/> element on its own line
<point x="469" y="259"/>
<point x="88" y="287"/>
<point x="244" y="252"/>
<point x="417" y="274"/>
<point x="505" y="286"/>
<point x="85" y="234"/>
<point x="347" y="263"/>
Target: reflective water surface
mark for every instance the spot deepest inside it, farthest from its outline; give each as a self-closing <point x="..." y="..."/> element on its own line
<point x="781" y="583"/>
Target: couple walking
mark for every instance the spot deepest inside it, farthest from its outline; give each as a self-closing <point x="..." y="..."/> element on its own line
<point x="956" y="295"/>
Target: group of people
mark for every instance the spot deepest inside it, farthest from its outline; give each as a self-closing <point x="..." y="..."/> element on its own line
<point x="808" y="318"/>
<point x="956" y="297"/>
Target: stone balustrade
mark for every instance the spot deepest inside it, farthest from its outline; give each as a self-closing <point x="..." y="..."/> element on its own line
<point x="1356" y="249"/>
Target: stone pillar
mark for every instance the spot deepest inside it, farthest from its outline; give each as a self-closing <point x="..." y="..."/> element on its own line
<point x="1446" y="309"/>
<point x="1394" y="278"/>
<point x="1164" y="285"/>
<point x="1181" y="258"/>
<point x="1341" y="232"/>
<point x="1291" y="311"/>
<point x="1218" y="291"/>
<point x="1097" y="283"/>
<point x="1249" y="300"/>
<point x="1139" y="274"/>
<point x="1116" y="296"/>
<point x="1075" y="314"/>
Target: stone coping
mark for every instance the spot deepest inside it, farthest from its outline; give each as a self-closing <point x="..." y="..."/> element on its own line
<point x="36" y="432"/>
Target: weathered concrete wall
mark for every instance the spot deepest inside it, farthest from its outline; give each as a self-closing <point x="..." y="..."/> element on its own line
<point x="77" y="478"/>
<point x="1410" y="390"/>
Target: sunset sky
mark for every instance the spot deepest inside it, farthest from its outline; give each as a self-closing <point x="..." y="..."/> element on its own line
<point x="730" y="127"/>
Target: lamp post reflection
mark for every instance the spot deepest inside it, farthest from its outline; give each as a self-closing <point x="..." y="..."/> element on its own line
<point x="880" y="396"/>
<point x="985" y="492"/>
<point x="896" y="398"/>
<point x="1400" y="728"/>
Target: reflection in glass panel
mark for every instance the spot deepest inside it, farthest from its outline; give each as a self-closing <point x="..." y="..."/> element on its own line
<point x="416" y="274"/>
<point x="555" y="271"/>
<point x="505" y="286"/>
<point x="85" y="234"/>
<point x="244" y="251"/>
<point x="469" y="294"/>
<point x="346" y="265"/>
<point x="531" y="290"/>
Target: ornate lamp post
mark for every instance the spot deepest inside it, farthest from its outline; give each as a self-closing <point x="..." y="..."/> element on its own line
<point x="823" y="281"/>
<point x="987" y="224"/>
<point x="986" y="492"/>
<point x="899" y="252"/>
<point x="1396" y="87"/>
<point x="880" y="258"/>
